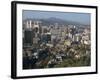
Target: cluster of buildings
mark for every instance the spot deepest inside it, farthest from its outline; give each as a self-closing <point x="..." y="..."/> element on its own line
<point x="35" y="32"/>
<point x="39" y="37"/>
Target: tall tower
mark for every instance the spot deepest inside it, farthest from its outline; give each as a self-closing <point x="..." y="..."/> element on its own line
<point x="73" y="33"/>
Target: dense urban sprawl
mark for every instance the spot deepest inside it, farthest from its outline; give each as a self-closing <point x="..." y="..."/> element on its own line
<point x="55" y="46"/>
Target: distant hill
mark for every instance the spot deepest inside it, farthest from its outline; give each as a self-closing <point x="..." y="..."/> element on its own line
<point x="52" y="21"/>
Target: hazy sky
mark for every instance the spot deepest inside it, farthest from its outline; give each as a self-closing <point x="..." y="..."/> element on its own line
<point x="84" y="18"/>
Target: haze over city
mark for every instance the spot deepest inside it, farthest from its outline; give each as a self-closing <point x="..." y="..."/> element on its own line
<point x="83" y="18"/>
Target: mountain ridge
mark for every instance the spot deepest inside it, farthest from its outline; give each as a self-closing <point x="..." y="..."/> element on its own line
<point x="53" y="20"/>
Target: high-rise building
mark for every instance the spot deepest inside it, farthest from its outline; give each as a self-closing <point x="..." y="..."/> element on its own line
<point x="31" y="30"/>
<point x="31" y="24"/>
<point x="28" y="37"/>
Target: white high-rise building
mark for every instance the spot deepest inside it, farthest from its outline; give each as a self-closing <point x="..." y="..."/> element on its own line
<point x="70" y="35"/>
<point x="31" y="24"/>
<point x="28" y="24"/>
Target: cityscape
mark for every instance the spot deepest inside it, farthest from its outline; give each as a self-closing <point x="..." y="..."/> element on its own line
<point x="53" y="42"/>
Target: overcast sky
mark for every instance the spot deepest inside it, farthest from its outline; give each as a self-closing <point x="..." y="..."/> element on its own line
<point x="83" y="18"/>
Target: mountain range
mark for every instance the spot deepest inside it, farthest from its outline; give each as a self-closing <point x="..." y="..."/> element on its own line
<point x="52" y="21"/>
